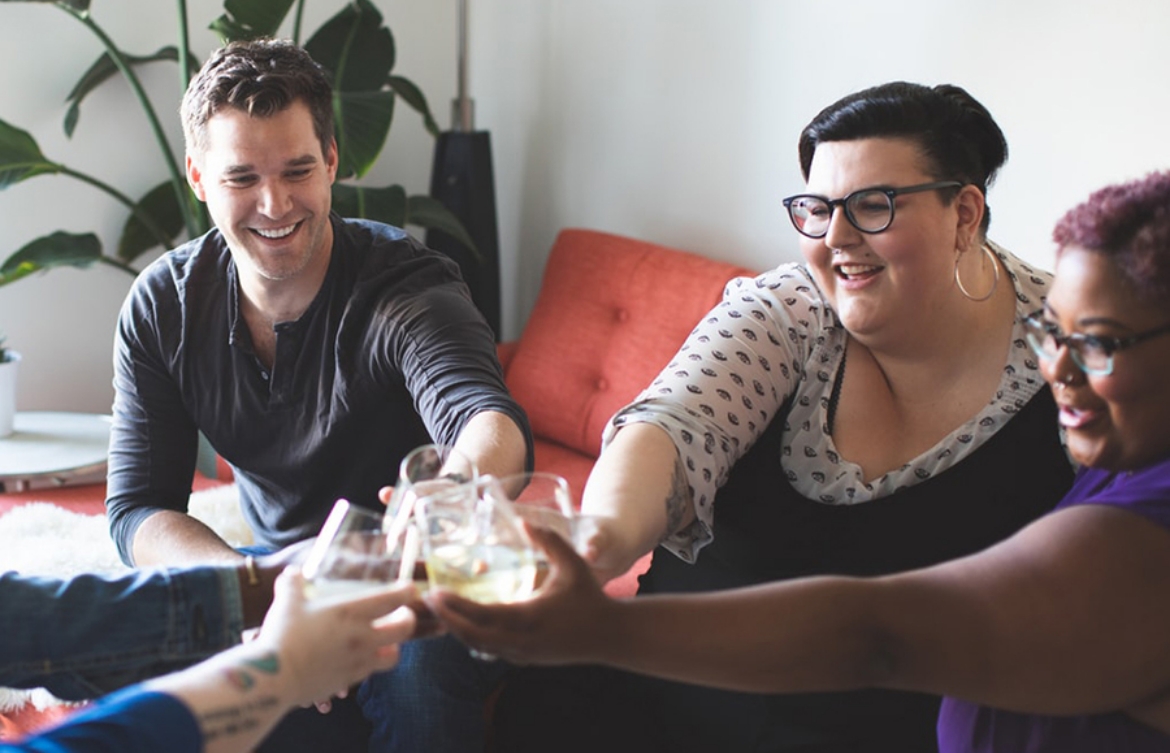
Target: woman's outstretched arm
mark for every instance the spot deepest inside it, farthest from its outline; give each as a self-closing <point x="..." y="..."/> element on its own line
<point x="1068" y="616"/>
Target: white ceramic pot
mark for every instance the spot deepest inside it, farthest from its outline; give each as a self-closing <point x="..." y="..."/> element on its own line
<point x="8" y="369"/>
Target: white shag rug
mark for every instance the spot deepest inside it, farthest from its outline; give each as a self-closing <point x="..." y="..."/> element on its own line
<point x="40" y="538"/>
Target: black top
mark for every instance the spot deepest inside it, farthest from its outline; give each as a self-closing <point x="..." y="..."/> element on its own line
<point x="390" y="354"/>
<point x="765" y="531"/>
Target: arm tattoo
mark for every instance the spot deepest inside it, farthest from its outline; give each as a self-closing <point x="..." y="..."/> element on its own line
<point x="242" y="680"/>
<point x="234" y="720"/>
<point x="677" y="498"/>
<point x="239" y="679"/>
<point x="269" y="664"/>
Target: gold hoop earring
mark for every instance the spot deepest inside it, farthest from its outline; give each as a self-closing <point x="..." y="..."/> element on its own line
<point x="994" y="283"/>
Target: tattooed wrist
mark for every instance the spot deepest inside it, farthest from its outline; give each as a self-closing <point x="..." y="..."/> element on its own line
<point x="241" y="677"/>
<point x="237" y="718"/>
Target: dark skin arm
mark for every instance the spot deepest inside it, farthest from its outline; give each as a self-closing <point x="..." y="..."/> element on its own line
<point x="257" y="597"/>
<point x="1067" y="617"/>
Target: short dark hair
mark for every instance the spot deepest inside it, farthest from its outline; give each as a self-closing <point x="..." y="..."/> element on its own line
<point x="1130" y="224"/>
<point x="956" y="133"/>
<point x="262" y="78"/>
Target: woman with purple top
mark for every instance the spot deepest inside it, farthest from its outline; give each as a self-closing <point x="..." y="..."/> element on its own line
<point x="1053" y="640"/>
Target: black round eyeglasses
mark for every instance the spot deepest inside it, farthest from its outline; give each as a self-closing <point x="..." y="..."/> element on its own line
<point x="870" y="210"/>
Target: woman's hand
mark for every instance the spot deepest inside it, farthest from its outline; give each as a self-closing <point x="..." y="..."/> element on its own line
<point x="332" y="646"/>
<point x="566" y="622"/>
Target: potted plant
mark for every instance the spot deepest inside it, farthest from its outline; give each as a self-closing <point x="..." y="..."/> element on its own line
<point x="354" y="46"/>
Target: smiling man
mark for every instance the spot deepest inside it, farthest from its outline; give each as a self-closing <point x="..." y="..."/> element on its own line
<point x="313" y="352"/>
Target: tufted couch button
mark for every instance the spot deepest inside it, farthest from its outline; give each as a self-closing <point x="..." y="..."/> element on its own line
<point x="623" y="315"/>
<point x="602" y="384"/>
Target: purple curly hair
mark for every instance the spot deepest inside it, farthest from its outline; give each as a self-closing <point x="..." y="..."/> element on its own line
<point x="1130" y="224"/>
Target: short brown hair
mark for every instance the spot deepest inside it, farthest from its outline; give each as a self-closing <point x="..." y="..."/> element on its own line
<point x="262" y="78"/>
<point x="1129" y="223"/>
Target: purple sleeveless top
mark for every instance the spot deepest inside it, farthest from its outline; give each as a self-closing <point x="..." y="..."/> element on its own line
<point x="969" y="728"/>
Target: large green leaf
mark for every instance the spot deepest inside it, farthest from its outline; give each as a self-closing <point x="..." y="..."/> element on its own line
<point x="358" y="52"/>
<point x="103" y="69"/>
<point x="20" y="157"/>
<point x="250" y="19"/>
<point x="163" y="206"/>
<point x="355" y="47"/>
<point x="413" y="96"/>
<point x="59" y="249"/>
<point x="392" y="206"/>
<point x="426" y="211"/>
<point x="386" y="205"/>
<point x="363" y="121"/>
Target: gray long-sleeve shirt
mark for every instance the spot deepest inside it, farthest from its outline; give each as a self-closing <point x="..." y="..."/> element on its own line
<point x="391" y="354"/>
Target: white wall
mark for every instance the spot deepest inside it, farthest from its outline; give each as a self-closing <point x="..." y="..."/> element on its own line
<point x="677" y="120"/>
<point x="670" y="120"/>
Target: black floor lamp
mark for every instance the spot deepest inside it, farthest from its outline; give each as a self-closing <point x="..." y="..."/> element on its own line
<point x="462" y="179"/>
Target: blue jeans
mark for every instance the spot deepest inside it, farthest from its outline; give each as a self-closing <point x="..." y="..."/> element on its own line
<point x="88" y="635"/>
<point x="432" y="701"/>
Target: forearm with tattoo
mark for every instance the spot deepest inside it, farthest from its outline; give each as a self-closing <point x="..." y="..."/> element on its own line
<point x="247" y="713"/>
<point x="236" y="719"/>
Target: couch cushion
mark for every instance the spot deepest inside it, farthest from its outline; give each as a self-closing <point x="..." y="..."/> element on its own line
<point x="573" y="465"/>
<point x="610" y="314"/>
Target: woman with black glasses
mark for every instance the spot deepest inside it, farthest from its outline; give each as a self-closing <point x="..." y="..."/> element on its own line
<point x="873" y="409"/>
<point x="1053" y="641"/>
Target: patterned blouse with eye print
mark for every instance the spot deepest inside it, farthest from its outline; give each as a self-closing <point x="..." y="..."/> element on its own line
<point x="774" y="341"/>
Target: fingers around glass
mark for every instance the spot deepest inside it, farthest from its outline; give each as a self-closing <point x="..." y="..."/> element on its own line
<point x="436" y="461"/>
<point x="427" y="470"/>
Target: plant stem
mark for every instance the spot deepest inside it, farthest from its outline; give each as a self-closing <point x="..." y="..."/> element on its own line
<point x="143" y="217"/>
<point x="117" y="264"/>
<point x="191" y="214"/>
<point x="177" y="180"/>
<point x="184" y="47"/>
<point x="297" y="22"/>
<point x="338" y="111"/>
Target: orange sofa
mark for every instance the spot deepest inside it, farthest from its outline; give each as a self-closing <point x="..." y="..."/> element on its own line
<point x="610" y="313"/>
